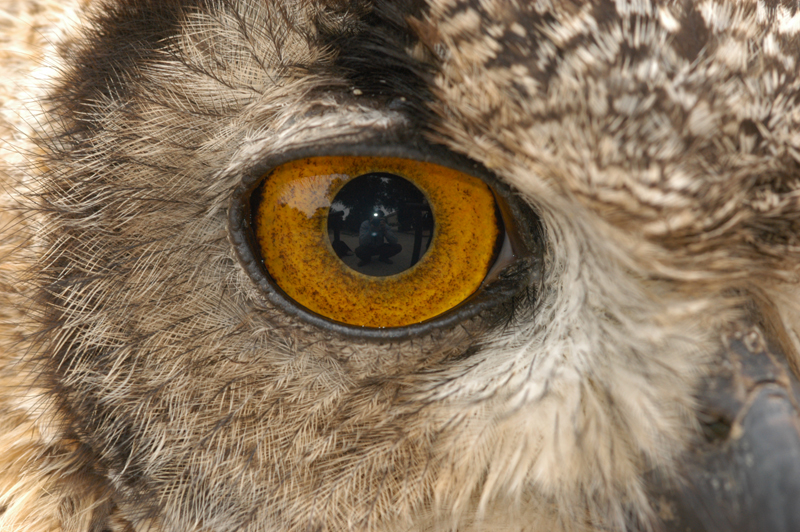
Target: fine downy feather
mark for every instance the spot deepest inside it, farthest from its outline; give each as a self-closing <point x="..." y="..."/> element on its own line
<point x="147" y="384"/>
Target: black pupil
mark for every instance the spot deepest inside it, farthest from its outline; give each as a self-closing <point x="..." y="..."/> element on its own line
<point x="380" y="224"/>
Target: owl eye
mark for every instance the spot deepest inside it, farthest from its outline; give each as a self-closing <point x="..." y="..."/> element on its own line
<point x="377" y="243"/>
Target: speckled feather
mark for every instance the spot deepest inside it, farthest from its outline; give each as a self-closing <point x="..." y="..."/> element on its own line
<point x="148" y="385"/>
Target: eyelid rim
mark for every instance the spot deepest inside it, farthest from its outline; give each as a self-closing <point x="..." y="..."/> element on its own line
<point x="497" y="287"/>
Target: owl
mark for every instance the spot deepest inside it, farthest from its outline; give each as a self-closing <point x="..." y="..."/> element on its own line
<point x="399" y="265"/>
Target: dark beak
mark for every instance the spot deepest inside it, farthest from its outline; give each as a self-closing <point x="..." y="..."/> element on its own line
<point x="744" y="474"/>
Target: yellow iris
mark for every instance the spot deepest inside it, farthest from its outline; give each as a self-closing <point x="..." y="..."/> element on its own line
<point x="291" y="229"/>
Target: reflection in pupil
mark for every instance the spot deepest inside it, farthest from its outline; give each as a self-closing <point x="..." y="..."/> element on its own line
<point x="380" y="224"/>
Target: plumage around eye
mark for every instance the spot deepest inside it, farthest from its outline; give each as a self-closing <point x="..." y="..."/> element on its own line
<point x="422" y="237"/>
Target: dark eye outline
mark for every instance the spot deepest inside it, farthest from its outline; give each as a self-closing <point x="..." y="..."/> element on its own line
<point x="507" y="277"/>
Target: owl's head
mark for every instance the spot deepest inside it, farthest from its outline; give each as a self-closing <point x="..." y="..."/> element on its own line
<point x="408" y="265"/>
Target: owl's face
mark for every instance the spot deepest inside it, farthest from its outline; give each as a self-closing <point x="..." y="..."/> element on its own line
<point x="596" y="331"/>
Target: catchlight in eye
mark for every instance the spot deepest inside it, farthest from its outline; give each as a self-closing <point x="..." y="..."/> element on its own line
<point x="375" y="241"/>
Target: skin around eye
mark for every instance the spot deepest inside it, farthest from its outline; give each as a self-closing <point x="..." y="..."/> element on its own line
<point x="292" y="209"/>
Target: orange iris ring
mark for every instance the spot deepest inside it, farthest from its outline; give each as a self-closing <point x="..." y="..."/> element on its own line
<point x="291" y="228"/>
